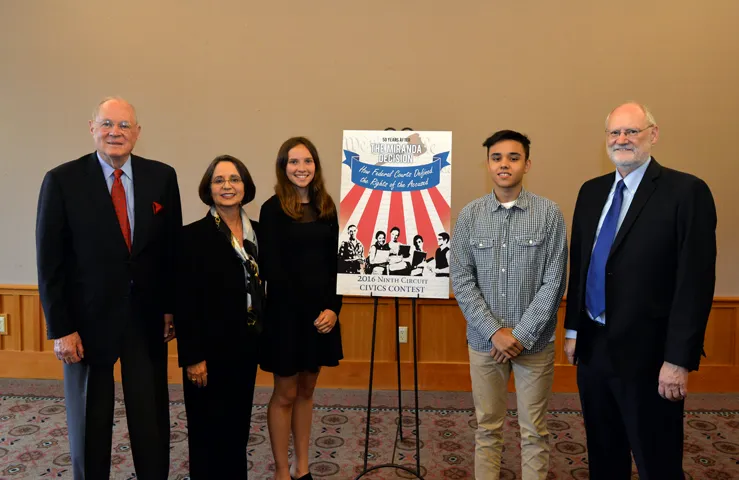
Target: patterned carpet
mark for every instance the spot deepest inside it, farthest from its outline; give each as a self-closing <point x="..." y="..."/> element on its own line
<point x="33" y="436"/>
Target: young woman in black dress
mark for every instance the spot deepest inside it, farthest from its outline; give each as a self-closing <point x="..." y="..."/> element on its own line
<point x="299" y="237"/>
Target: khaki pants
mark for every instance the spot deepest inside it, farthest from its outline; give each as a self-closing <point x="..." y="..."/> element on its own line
<point x="533" y="375"/>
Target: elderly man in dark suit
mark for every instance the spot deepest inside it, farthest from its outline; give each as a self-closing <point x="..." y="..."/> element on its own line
<point x="642" y="276"/>
<point x="106" y="238"/>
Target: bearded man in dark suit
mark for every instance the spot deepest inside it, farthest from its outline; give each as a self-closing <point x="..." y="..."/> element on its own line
<point x="642" y="276"/>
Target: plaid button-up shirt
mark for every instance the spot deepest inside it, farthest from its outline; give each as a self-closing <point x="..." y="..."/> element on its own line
<point x="508" y="269"/>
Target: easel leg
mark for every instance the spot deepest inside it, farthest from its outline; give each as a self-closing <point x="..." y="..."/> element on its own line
<point x="397" y="355"/>
<point x="369" y="389"/>
<point x="415" y="386"/>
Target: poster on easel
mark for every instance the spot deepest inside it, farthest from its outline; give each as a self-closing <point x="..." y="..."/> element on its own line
<point x="394" y="214"/>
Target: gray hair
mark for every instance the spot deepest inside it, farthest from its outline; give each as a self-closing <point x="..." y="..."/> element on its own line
<point x="96" y="111"/>
<point x="644" y="108"/>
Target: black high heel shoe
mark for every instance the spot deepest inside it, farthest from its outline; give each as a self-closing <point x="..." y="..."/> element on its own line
<point x="307" y="476"/>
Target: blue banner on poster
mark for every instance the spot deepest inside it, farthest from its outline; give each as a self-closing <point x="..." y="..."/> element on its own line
<point x="396" y="179"/>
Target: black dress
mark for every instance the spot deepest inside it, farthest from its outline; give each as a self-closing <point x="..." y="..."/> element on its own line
<point x="298" y="261"/>
<point x="212" y="324"/>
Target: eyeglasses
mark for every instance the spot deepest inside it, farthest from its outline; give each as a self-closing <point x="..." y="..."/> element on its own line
<point x="107" y="125"/>
<point x="629" y="132"/>
<point x="220" y="181"/>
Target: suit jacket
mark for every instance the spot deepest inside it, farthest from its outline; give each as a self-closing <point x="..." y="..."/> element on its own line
<point x="660" y="274"/>
<point x="211" y="301"/>
<point x="88" y="280"/>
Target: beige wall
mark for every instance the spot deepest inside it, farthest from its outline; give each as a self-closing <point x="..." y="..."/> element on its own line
<point x="241" y="76"/>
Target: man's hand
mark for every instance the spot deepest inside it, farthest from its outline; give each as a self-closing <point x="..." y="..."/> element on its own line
<point x="326" y="321"/>
<point x="673" y="382"/>
<point x="570" y="349"/>
<point x="504" y="341"/>
<point x="69" y="348"/>
<point x="498" y="356"/>
<point x="198" y="374"/>
<point x="169" y="333"/>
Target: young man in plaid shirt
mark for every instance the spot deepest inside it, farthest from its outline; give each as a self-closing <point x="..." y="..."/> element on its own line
<point x="508" y="264"/>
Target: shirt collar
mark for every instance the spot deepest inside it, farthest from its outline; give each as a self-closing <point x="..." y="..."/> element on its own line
<point x="522" y="202"/>
<point x="108" y="170"/>
<point x="634" y="178"/>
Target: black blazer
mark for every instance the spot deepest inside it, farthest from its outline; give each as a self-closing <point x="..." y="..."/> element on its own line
<point x="88" y="280"/>
<point x="660" y="274"/>
<point x="211" y="300"/>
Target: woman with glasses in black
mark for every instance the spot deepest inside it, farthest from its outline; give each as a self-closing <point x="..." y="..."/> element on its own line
<point x="220" y="298"/>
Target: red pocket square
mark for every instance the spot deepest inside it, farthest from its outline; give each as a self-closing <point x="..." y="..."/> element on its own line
<point x="157" y="207"/>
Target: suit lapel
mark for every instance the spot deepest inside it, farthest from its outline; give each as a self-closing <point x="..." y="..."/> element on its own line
<point x="102" y="203"/>
<point x="643" y="192"/>
<point x="142" y="208"/>
<point x="595" y="209"/>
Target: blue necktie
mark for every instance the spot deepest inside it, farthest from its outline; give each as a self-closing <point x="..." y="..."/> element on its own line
<point x="595" y="290"/>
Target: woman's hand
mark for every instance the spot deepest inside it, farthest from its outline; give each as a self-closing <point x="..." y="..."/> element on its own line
<point x="326" y="321"/>
<point x="198" y="374"/>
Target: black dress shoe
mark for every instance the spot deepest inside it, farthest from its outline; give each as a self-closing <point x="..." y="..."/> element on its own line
<point x="307" y="476"/>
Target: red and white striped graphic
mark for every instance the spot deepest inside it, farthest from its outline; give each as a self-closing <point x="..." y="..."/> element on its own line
<point x="422" y="212"/>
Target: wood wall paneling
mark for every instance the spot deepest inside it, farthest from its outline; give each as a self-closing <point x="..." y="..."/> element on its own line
<point x="442" y="350"/>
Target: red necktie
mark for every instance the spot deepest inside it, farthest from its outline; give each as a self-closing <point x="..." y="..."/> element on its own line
<point x="121" y="210"/>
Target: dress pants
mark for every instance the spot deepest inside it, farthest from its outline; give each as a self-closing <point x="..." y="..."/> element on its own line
<point x="89" y="393"/>
<point x="625" y="415"/>
<point x="219" y="419"/>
